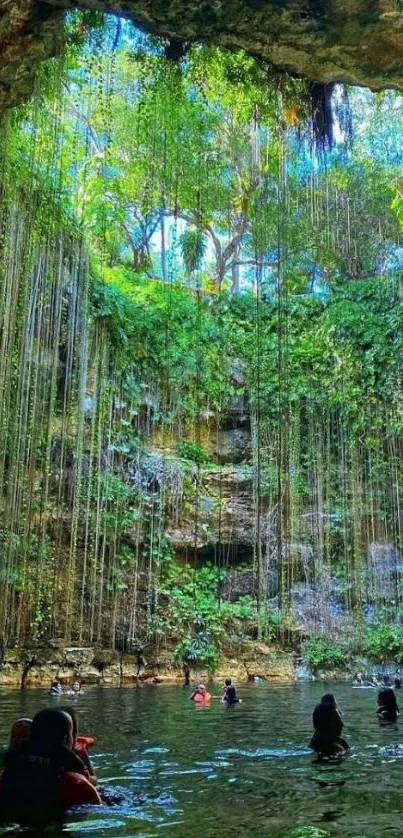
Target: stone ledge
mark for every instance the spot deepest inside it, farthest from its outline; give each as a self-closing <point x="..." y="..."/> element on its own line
<point x="105" y="667"/>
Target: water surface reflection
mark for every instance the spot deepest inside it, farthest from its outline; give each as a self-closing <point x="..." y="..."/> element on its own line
<point x="245" y="768"/>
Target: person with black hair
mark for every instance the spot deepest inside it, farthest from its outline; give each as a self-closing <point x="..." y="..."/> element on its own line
<point x="327" y="740"/>
<point x="388" y="708"/>
<point x="56" y="688"/>
<point x="230" y="696"/>
<point x="81" y="744"/>
<point x="227" y="683"/>
<point x="44" y="778"/>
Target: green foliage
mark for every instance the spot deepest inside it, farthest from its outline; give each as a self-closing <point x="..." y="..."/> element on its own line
<point x="351" y="343"/>
<point x="199" y="157"/>
<point x="193" y="246"/>
<point x="118" y="512"/>
<point x="193" y="613"/>
<point x="193" y="451"/>
<point x="322" y="654"/>
<point x="384" y="641"/>
<point x="269" y="624"/>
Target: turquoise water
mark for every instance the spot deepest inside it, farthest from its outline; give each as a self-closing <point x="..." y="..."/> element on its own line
<point x="244" y="770"/>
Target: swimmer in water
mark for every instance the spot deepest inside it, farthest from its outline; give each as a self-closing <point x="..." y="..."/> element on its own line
<point x="56" y="687"/>
<point x="230" y="696"/>
<point x="327" y="740"/>
<point x="200" y="694"/>
<point x="80" y="748"/>
<point x="20" y="732"/>
<point x="397" y="683"/>
<point x="388" y="708"/>
<point x="228" y="683"/>
<point x="19" y="735"/>
<point x="75" y="689"/>
<point x="37" y="787"/>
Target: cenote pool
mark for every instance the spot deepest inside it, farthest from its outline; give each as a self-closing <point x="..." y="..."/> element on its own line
<point x="243" y="770"/>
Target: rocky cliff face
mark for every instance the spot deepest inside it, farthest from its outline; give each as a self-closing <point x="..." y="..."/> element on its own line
<point x="211" y="517"/>
<point x="29" y="33"/>
<point x="38" y="666"/>
<point x="359" y="42"/>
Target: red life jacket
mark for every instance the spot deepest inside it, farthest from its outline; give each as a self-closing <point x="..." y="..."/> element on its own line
<point x="76" y="790"/>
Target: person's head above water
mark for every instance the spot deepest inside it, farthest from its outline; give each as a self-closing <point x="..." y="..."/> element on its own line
<point x="72" y="712"/>
<point x="76" y="686"/>
<point x="51" y="729"/>
<point x="328" y="698"/>
<point x="20" y="732"/>
<point x="201" y="688"/>
<point x="228" y="682"/>
<point x="387" y="698"/>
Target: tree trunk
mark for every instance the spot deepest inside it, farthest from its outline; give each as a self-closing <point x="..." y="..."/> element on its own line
<point x="235" y="279"/>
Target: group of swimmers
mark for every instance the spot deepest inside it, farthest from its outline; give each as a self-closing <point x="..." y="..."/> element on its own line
<point x="361" y="680"/>
<point x="56" y="688"/>
<point x="202" y="696"/>
<point x="327" y="740"/>
<point x="47" y="768"/>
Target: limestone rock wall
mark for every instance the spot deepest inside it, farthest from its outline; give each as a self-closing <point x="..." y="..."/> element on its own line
<point x="359" y="42"/>
<point x="243" y="661"/>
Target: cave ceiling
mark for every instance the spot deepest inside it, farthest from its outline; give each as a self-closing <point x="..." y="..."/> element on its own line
<point x="354" y="41"/>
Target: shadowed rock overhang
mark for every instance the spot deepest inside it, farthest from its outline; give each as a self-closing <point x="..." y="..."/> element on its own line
<point x="353" y="41"/>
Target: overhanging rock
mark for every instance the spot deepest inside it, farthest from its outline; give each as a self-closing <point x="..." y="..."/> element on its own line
<point x="353" y="41"/>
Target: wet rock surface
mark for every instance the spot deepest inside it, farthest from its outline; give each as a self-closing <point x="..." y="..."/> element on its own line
<point x="243" y="659"/>
<point x="325" y="41"/>
<point x="384" y="572"/>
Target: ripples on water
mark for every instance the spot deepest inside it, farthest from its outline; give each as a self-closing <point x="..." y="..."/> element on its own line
<point x="219" y="770"/>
